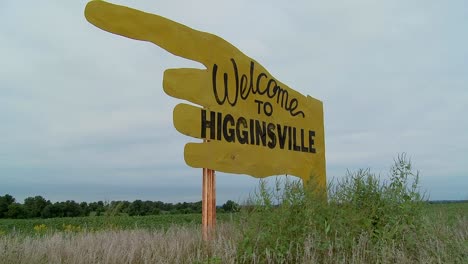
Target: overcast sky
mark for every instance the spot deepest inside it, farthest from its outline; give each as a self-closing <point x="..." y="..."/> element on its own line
<point x="83" y="115"/>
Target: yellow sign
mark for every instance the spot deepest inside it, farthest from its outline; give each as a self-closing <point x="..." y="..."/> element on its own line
<point x="254" y="124"/>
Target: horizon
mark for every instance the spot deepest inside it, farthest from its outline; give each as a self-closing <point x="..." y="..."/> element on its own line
<point x="83" y="114"/>
<point x="217" y="204"/>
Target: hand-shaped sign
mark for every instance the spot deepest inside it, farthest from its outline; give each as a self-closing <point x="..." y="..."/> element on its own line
<point x="253" y="123"/>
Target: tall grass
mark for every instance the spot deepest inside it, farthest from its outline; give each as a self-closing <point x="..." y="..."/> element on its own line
<point x="440" y="243"/>
<point x="363" y="219"/>
<point x="178" y="244"/>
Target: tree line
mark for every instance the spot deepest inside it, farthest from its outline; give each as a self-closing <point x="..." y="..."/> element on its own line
<point x="39" y="207"/>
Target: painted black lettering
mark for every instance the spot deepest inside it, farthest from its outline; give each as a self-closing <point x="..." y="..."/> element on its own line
<point x="244" y="86"/>
<point x="303" y="147"/>
<point x="218" y="126"/>
<point x="229" y="134"/>
<point x="208" y="124"/>
<point x="252" y="132"/>
<point x="311" y="141"/>
<point x="268" y="106"/>
<point x="233" y="101"/>
<point x="271" y="135"/>
<point x="236" y="73"/>
<point x="260" y="132"/>
<point x="282" y="135"/>
<point x="272" y="89"/>
<point x="242" y="135"/>
<point x="259" y="77"/>
<point x="295" y="146"/>
<point x="291" y="108"/>
<point x="281" y="94"/>
<point x="215" y="89"/>
<point x="244" y="91"/>
<point x="259" y="103"/>
<point x="252" y="69"/>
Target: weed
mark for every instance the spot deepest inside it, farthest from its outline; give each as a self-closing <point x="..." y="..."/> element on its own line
<point x="282" y="218"/>
<point x="40" y="229"/>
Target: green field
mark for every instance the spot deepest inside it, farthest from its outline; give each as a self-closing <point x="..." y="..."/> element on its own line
<point x="447" y="212"/>
<point x="177" y="239"/>
<point x="98" y="223"/>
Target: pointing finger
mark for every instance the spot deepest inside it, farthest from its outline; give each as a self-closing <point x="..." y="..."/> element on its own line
<point x="255" y="161"/>
<point x="176" y="38"/>
<point x="221" y="157"/>
<point x="187" y="120"/>
<point x="188" y="84"/>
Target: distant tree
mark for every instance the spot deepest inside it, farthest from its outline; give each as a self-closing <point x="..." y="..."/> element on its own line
<point x="58" y="209"/>
<point x="5" y="201"/>
<point x="38" y="206"/>
<point x="230" y="206"/>
<point x="16" y="210"/>
<point x="124" y="205"/>
<point x="84" y="208"/>
<point x="48" y="211"/>
<point x="150" y="208"/>
<point x="136" y="208"/>
<point x="196" y="207"/>
<point x="33" y="206"/>
<point x="159" y="205"/>
<point x="167" y="207"/>
<point x="118" y="208"/>
<point x="72" y="209"/>
<point x="96" y="208"/>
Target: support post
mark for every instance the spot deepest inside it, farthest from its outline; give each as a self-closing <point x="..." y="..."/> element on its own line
<point x="208" y="204"/>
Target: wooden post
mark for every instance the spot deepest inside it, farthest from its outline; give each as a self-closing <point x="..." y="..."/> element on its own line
<point x="208" y="203"/>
